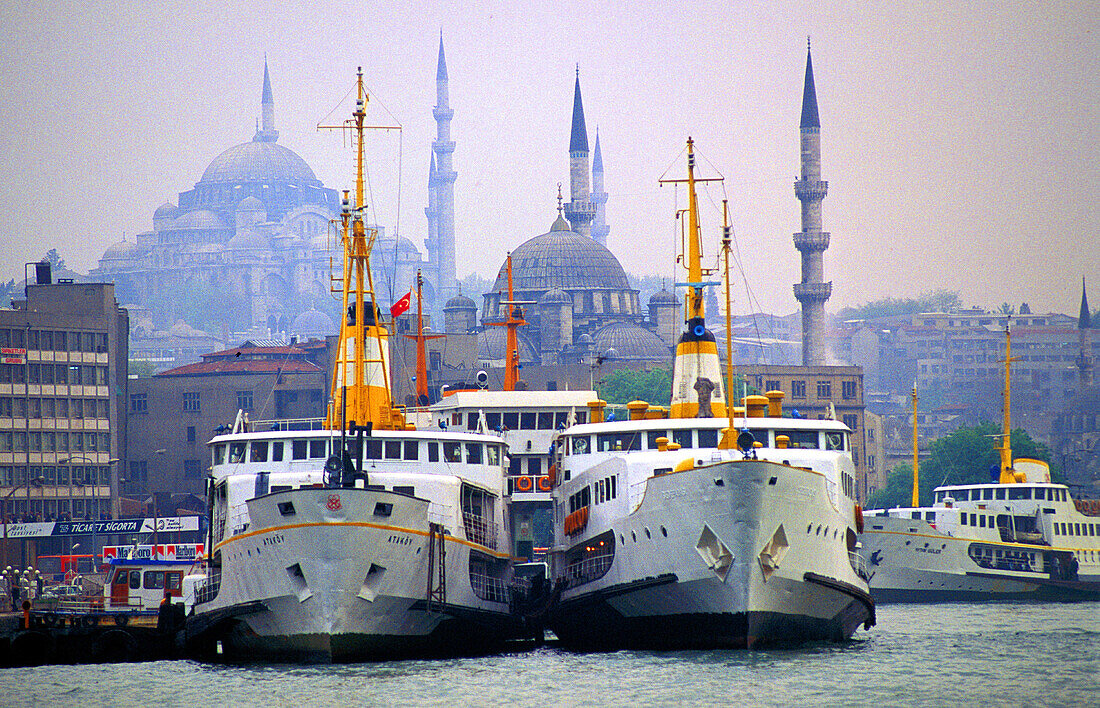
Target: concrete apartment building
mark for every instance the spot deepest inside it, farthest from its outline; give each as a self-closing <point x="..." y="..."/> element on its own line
<point x="63" y="389"/>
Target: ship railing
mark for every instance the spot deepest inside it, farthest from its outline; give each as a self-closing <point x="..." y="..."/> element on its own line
<point x="480" y="530"/>
<point x="488" y="587"/>
<point x="442" y="514"/>
<point x="859" y="564"/>
<point x="637" y="494"/>
<point x="289" y="424"/>
<point x="207" y="590"/>
<point x="588" y="569"/>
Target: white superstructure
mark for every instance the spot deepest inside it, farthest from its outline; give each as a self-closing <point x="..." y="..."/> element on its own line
<point x="1014" y="540"/>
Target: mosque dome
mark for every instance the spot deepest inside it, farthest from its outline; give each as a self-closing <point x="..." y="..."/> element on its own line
<point x="247" y="239"/>
<point x="258" y="161"/>
<point x="182" y="329"/>
<point x="200" y="220"/>
<point x="631" y="342"/>
<point x="166" y="210"/>
<point x="313" y="324"/>
<point x="492" y="343"/>
<point x="663" y="297"/>
<point x="251" y="204"/>
<point x="555" y="296"/>
<point x="565" y="260"/>
<point x="460" y="302"/>
<point x="121" y="251"/>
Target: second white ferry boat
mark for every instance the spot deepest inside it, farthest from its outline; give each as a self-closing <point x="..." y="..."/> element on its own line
<point x="670" y="534"/>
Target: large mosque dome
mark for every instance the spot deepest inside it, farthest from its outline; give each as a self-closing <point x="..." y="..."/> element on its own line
<point x="258" y="161"/>
<point x="562" y="259"/>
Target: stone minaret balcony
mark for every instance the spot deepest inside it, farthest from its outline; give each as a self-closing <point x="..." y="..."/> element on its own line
<point x="813" y="292"/>
<point x="811" y="242"/>
<point x="809" y="189"/>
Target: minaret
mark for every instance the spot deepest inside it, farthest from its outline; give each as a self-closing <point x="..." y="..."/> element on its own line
<point x="1084" y="341"/>
<point x="266" y="133"/>
<point x="431" y="243"/>
<point x="580" y="211"/>
<point x="600" y="229"/>
<point x="811" y="242"/>
<point x="447" y="284"/>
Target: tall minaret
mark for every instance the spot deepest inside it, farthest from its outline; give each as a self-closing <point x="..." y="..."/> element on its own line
<point x="266" y="133"/>
<point x="431" y="244"/>
<point x="811" y="242"/>
<point x="1084" y="341"/>
<point x="443" y="147"/>
<point x="580" y="211"/>
<point x="600" y="229"/>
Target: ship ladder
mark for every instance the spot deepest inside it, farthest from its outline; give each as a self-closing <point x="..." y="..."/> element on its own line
<point x="437" y="568"/>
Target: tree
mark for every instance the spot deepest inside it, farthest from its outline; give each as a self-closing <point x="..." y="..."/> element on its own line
<point x="139" y="369"/>
<point x="54" y="259"/>
<point x="1007" y="309"/>
<point x="967" y="456"/>
<point x="626" y="385"/>
<point x="7" y="290"/>
<point x="930" y="301"/>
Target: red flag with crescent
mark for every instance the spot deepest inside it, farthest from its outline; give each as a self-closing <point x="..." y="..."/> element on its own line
<point x="398" y="308"/>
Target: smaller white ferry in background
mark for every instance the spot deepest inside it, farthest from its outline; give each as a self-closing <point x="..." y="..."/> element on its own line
<point x="1020" y="537"/>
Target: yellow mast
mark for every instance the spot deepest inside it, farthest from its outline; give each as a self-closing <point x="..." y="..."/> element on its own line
<point x="916" y="464"/>
<point x="1007" y="475"/>
<point x="360" y="382"/>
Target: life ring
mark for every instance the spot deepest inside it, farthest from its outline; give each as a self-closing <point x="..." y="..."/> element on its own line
<point x="859" y="518"/>
<point x="524" y="484"/>
<point x="545" y="484"/>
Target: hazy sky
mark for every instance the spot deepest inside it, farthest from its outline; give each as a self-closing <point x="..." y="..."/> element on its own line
<point x="959" y="139"/>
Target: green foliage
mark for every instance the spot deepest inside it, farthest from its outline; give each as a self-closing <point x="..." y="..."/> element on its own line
<point x="474" y="286"/>
<point x="963" y="457"/>
<point x="54" y="259"/>
<point x="626" y="385"/>
<point x="7" y="290"/>
<point x="141" y="369"/>
<point x="930" y="301"/>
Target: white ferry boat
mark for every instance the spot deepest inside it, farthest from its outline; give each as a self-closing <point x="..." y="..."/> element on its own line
<point x="669" y="535"/>
<point x="359" y="537"/>
<point x="1019" y="537"/>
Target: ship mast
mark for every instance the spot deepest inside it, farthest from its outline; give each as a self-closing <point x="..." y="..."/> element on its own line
<point x="916" y="473"/>
<point x="696" y="371"/>
<point x="1007" y="475"/>
<point x="422" y="398"/>
<point x="360" y="382"/>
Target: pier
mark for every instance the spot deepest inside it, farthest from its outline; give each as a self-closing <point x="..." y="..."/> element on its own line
<point x="86" y="638"/>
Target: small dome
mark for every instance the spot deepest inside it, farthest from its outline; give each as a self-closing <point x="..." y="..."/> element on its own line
<point x="585" y="338"/>
<point x="313" y="324"/>
<point x="460" y="302"/>
<point x="555" y="296"/>
<point x="251" y="204"/>
<point x="166" y="210"/>
<point x="631" y="342"/>
<point x="258" y="162"/>
<point x="663" y="297"/>
<point x="121" y="251"/>
<point x="247" y="239"/>
<point x="182" y="329"/>
<point x="199" y="220"/>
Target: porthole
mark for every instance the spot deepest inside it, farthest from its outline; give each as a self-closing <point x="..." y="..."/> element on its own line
<point x="634" y="537"/>
<point x="647" y="533"/>
<point x="622" y="541"/>
<point x="819" y="530"/>
<point x="809" y="528"/>
<point x="664" y="532"/>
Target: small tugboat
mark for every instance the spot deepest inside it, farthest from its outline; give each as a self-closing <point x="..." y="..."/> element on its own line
<point x="359" y="537"/>
<point x="703" y="526"/>
<point x="1017" y="538"/>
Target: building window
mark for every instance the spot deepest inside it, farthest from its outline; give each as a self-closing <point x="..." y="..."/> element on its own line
<point x="244" y="400"/>
<point x="798" y="389"/>
<point x="191" y="401"/>
<point x="825" y="389"/>
<point x="848" y="389"/>
<point x="191" y="434"/>
<point x="139" y="403"/>
<point x="771" y="386"/>
<point x="851" y="420"/>
<point x="191" y="469"/>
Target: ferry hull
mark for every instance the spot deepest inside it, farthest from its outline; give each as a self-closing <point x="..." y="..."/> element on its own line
<point x="345" y="584"/>
<point x="788" y="580"/>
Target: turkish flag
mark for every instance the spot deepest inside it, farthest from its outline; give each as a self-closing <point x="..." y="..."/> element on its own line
<point x="398" y="308"/>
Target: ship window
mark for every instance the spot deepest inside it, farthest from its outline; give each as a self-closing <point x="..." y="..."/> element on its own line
<point x="580" y="445"/>
<point x="546" y="420"/>
<point x="561" y="419"/>
<point x="835" y="441"/>
<point x="452" y="452"/>
<point x="962" y="519"/>
<point x="154" y="580"/>
<point x="987" y="493"/>
<point x="1001" y="493"/>
<point x="393" y="449"/>
<point x="802" y="439"/>
<point x="277" y="451"/>
<point x="298" y="449"/>
<point x="219" y="454"/>
<point x="983" y="520"/>
<point x="915" y="515"/>
<point x="412" y="449"/>
<point x="374" y="449"/>
<point x="708" y="438"/>
<point x="618" y="441"/>
<point x="527" y="421"/>
<point x="236" y="452"/>
<point x="383" y="509"/>
<point x="581" y="417"/>
<point x="473" y="453"/>
<point x="682" y="438"/>
<point x="511" y="420"/>
<point x="651" y="438"/>
<point x="258" y="451"/>
<point x="492" y="455"/>
<point x="1017" y="493"/>
<point x="402" y="489"/>
<point x="433" y="452"/>
<point x="135" y="579"/>
<point x="493" y="421"/>
<point x="534" y="466"/>
<point x="316" y="449"/>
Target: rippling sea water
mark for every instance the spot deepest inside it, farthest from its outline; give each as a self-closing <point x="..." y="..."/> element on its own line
<point x="918" y="655"/>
